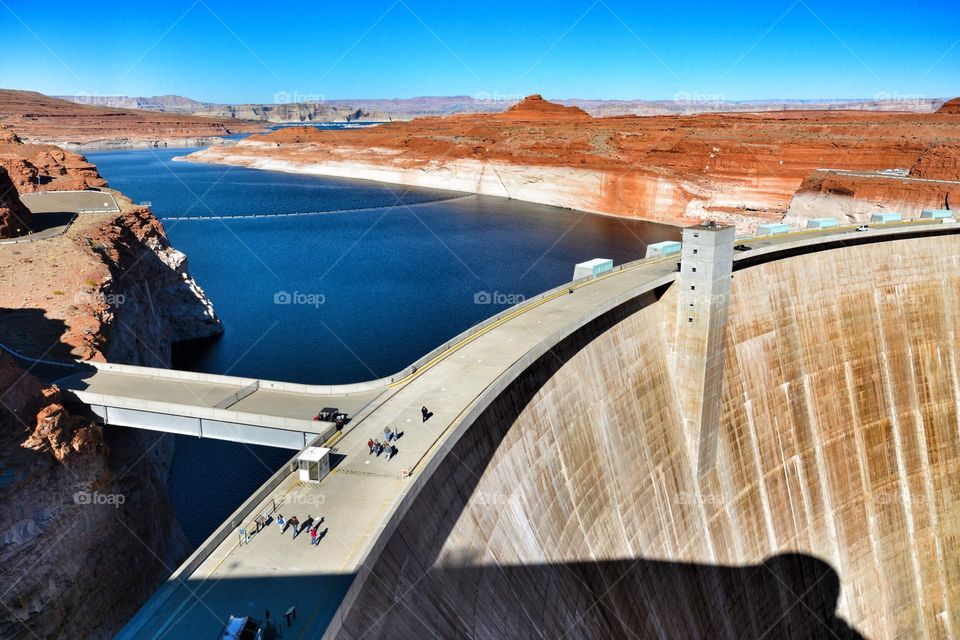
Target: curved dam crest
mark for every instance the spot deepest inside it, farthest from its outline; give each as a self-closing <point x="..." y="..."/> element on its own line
<point x="571" y="506"/>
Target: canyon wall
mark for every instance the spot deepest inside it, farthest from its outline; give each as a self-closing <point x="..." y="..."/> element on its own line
<point x="87" y="529"/>
<point x="853" y="199"/>
<point x="571" y="508"/>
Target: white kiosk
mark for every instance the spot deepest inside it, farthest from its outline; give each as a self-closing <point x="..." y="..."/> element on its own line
<point x="314" y="463"/>
<point x="592" y="268"/>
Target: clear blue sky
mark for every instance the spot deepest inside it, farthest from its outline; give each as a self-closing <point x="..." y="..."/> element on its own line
<point x="705" y="49"/>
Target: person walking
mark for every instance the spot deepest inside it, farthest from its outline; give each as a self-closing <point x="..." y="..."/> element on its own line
<point x="281" y="522"/>
<point x="424" y="413"/>
<point x="313" y="535"/>
<point x="295" y="525"/>
<point x="370" y="445"/>
<point x="387" y="434"/>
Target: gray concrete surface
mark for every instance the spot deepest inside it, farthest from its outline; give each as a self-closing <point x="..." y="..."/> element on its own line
<point x="70" y="202"/>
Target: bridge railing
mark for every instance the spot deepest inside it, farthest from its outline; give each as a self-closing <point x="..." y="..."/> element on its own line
<point x="234" y="398"/>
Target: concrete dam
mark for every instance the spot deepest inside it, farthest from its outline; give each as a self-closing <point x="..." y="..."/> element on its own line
<point x="816" y="498"/>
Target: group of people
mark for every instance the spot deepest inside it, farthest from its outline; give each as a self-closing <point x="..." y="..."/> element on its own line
<point x="297" y="527"/>
<point x="390" y="436"/>
<point x="378" y="447"/>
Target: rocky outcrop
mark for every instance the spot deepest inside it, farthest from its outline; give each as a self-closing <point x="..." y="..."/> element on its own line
<point x="939" y="162"/>
<point x="295" y="112"/>
<point x="14" y="217"/>
<point x="44" y="167"/>
<point x="853" y="199"/>
<point x="950" y="107"/>
<point x="146" y="300"/>
<point x="86" y="528"/>
<point x="535" y="108"/>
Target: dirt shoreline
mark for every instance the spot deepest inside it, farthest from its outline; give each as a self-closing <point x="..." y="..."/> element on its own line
<point x="739" y="168"/>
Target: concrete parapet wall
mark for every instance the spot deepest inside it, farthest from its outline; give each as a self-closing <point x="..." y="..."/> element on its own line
<point x="570" y="503"/>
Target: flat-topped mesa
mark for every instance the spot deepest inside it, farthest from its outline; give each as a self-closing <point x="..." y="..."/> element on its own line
<point x="950" y="107"/>
<point x="40" y="118"/>
<point x="534" y="107"/>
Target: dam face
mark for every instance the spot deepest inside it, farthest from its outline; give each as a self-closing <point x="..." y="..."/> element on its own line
<point x="574" y="507"/>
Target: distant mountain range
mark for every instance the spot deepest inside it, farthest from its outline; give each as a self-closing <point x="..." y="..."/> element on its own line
<point x="290" y="110"/>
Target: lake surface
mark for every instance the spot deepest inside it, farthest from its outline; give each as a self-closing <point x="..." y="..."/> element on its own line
<point x="370" y="278"/>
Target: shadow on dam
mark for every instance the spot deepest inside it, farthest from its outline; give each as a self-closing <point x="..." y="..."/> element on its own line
<point x="786" y="596"/>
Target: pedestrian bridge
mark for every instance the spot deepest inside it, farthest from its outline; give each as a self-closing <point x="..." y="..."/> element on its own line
<point x="246" y="410"/>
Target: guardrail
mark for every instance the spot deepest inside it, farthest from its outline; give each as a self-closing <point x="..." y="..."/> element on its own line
<point x="179" y="577"/>
<point x="234" y="398"/>
<point x="19" y="356"/>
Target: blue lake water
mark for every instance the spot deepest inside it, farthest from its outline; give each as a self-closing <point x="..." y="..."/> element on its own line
<point x="374" y="278"/>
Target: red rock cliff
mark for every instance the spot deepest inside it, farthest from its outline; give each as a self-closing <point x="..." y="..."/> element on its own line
<point x="87" y="530"/>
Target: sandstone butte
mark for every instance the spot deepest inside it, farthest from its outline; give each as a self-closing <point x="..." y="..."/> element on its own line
<point x="81" y="570"/>
<point x="40" y="118"/>
<point x="743" y="168"/>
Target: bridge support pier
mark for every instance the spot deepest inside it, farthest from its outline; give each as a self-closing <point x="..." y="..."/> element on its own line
<point x="705" y="269"/>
